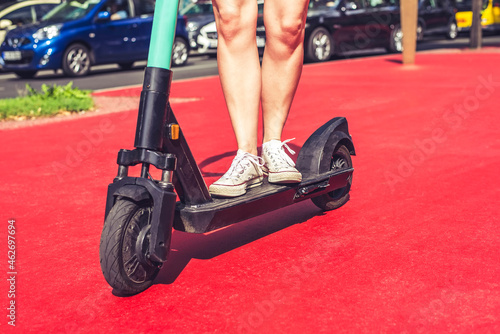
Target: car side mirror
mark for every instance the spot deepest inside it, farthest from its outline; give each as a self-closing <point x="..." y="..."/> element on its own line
<point x="103" y="16"/>
<point x="4" y="24"/>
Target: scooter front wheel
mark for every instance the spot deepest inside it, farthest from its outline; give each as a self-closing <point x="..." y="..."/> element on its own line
<point x="124" y="247"/>
<point x="341" y="159"/>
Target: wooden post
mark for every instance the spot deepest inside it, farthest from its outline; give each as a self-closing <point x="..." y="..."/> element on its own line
<point x="409" y="17"/>
<point x="476" y="32"/>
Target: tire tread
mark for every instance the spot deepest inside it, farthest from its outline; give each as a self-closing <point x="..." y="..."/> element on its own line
<point x="110" y="249"/>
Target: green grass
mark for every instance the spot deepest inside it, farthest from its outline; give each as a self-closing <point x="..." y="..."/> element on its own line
<point x="50" y="101"/>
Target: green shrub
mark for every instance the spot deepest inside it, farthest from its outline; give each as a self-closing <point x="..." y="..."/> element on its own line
<point x="51" y="100"/>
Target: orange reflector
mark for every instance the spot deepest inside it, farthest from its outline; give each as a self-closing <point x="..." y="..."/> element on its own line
<point x="174" y="131"/>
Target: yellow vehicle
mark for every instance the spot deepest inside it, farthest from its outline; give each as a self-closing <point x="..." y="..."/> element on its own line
<point x="490" y="15"/>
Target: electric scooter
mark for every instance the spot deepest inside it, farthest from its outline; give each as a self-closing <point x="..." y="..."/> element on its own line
<point x="141" y="211"/>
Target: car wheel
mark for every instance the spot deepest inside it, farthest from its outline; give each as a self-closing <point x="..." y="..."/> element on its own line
<point x="126" y="66"/>
<point x="320" y="45"/>
<point x="452" y="32"/>
<point x="180" y="52"/>
<point x="26" y="74"/>
<point x="396" y="41"/>
<point x="76" y="61"/>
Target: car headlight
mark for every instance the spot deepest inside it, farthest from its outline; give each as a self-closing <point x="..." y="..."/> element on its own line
<point x="47" y="32"/>
<point x="192" y="26"/>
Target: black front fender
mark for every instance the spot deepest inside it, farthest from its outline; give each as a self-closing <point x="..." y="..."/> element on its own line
<point x="163" y="203"/>
<point x="125" y="188"/>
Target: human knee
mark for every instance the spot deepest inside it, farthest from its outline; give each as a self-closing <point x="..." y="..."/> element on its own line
<point x="232" y="23"/>
<point x="287" y="32"/>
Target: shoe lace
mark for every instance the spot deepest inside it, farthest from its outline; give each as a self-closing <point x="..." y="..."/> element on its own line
<point x="282" y="156"/>
<point x="240" y="163"/>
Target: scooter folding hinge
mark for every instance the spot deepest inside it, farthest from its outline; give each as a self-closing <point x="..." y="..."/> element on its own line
<point x="303" y="191"/>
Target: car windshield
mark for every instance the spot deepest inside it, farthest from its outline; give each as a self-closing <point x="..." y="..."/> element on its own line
<point x="466" y="5"/>
<point x="198" y="9"/>
<point x="70" y="10"/>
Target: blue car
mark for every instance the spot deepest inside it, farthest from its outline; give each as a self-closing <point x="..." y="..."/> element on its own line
<point x="80" y="33"/>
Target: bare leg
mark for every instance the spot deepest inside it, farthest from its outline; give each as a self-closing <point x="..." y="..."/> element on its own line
<point x="282" y="61"/>
<point x="239" y="67"/>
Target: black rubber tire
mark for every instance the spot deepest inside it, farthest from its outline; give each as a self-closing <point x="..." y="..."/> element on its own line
<point x="452" y="31"/>
<point x="76" y="60"/>
<point x="180" y="52"/>
<point x="26" y="74"/>
<point x="341" y="158"/>
<point x="396" y="41"/>
<point x="320" y="46"/>
<point x="126" y="66"/>
<point x="127" y="222"/>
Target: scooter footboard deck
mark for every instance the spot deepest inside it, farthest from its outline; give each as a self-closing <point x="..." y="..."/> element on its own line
<point x="259" y="200"/>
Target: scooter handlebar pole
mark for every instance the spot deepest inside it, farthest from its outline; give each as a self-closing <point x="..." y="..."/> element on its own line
<point x="163" y="33"/>
<point x="153" y="109"/>
<point x="152" y="131"/>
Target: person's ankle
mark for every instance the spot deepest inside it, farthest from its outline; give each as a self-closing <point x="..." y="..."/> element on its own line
<point x="266" y="140"/>
<point x="251" y="150"/>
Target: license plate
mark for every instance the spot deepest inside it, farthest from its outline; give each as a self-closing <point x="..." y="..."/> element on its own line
<point x="12" y="55"/>
<point x="261" y="41"/>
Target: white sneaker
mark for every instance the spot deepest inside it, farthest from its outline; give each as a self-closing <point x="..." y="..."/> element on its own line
<point x="278" y="164"/>
<point x="245" y="172"/>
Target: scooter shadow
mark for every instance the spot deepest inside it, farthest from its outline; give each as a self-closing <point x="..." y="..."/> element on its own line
<point x="187" y="246"/>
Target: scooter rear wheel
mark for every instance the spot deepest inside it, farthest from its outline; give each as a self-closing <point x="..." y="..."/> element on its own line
<point x="124" y="247"/>
<point x="341" y="159"/>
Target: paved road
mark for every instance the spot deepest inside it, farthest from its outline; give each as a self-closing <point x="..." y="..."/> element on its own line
<point x="110" y="76"/>
<point x="106" y="76"/>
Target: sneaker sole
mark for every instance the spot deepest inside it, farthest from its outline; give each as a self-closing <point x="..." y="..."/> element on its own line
<point x="285" y="177"/>
<point x="234" y="191"/>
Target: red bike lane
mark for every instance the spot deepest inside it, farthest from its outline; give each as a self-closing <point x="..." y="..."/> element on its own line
<point x="414" y="250"/>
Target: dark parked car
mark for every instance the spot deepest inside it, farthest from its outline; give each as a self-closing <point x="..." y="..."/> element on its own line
<point x="436" y="17"/>
<point x="343" y="26"/>
<point x="80" y="33"/>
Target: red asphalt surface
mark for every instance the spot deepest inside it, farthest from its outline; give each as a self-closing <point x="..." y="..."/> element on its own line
<point x="415" y="250"/>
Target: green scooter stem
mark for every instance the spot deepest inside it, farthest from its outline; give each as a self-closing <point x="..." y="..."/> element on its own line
<point x="157" y="77"/>
<point x="163" y="34"/>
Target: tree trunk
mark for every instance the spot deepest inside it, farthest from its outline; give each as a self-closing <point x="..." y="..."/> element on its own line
<point x="476" y="32"/>
<point x="409" y="17"/>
